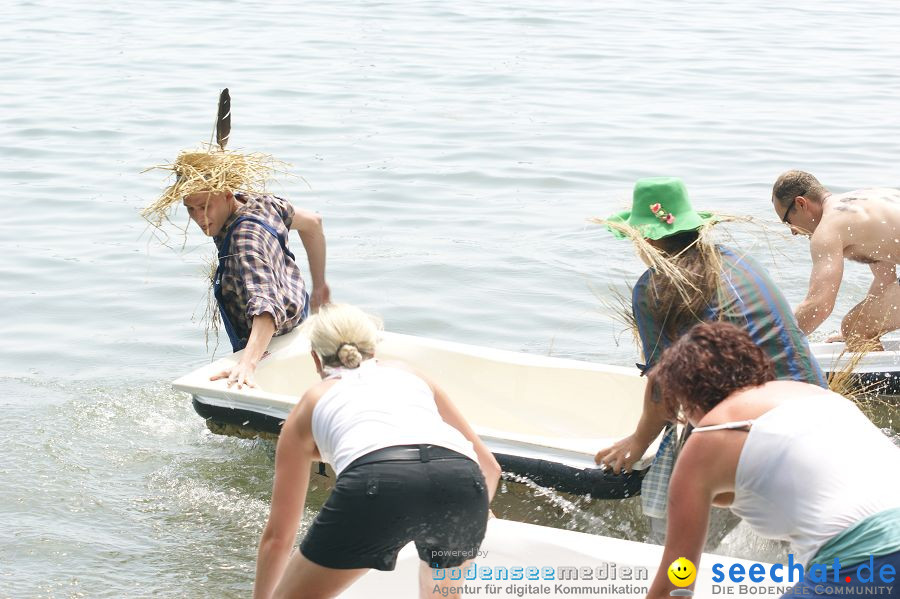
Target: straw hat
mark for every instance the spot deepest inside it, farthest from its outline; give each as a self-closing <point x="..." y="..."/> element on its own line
<point x="211" y="170"/>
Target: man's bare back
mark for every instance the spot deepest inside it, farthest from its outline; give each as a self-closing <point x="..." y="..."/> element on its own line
<point x="861" y="225"/>
<point x="868" y="223"/>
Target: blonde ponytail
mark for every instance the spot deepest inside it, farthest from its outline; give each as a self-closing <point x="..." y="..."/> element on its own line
<point x="349" y="355"/>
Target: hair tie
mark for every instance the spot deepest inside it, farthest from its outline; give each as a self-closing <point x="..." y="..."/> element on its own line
<point x="348" y="355"/>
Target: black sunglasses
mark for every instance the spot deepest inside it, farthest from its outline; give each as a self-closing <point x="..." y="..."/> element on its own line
<point x="790" y="207"/>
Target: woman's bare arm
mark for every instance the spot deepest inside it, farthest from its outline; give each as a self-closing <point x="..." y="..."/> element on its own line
<point x="705" y="469"/>
<point x="452" y="416"/>
<point x="293" y="458"/>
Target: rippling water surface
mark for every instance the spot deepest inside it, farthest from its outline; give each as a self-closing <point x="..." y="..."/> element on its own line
<point x="455" y="150"/>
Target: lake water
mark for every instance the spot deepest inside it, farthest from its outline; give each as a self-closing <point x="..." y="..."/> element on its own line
<point x="455" y="150"/>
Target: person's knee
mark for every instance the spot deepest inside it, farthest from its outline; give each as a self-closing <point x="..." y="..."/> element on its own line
<point x="848" y="325"/>
<point x="861" y="336"/>
<point x="856" y="334"/>
<point x="855" y="324"/>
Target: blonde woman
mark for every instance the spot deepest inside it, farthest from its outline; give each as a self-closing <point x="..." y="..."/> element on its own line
<point x="409" y="468"/>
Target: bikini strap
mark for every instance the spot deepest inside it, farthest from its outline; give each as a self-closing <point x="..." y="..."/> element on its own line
<point x="726" y="426"/>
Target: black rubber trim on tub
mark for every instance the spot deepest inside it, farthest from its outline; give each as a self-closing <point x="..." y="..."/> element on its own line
<point x="595" y="482"/>
<point x="242" y="418"/>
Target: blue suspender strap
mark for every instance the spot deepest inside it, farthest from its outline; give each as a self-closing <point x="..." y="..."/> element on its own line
<point x="304" y="314"/>
<point x="237" y="343"/>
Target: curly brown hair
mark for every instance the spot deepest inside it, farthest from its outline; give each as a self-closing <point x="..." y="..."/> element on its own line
<point x="707" y="364"/>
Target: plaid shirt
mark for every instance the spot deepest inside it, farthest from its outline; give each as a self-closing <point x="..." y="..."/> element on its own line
<point x="258" y="277"/>
<point x="752" y="302"/>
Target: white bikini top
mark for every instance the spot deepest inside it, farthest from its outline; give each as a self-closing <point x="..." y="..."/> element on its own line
<point x="810" y="468"/>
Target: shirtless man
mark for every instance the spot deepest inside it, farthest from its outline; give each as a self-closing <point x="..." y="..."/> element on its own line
<point x="861" y="225"/>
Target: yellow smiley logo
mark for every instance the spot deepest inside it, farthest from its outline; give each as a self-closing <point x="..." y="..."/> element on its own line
<point x="682" y="572"/>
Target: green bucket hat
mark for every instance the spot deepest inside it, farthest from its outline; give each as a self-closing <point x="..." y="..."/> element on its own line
<point x="660" y="207"/>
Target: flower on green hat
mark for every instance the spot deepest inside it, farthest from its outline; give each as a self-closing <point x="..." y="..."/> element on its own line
<point x="666" y="217"/>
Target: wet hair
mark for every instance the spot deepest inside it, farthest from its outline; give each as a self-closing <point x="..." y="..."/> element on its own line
<point x="707" y="364"/>
<point x="342" y="335"/>
<point x="699" y="264"/>
<point x="797" y="183"/>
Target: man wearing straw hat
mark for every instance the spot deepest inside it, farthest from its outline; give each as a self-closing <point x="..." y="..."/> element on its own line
<point x="690" y="279"/>
<point x="258" y="286"/>
<point x="862" y="226"/>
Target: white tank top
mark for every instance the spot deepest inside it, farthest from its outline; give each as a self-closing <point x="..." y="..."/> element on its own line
<point x="812" y="467"/>
<point x="372" y="407"/>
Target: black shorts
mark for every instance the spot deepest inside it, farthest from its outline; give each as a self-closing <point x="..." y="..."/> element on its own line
<point x="376" y="509"/>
